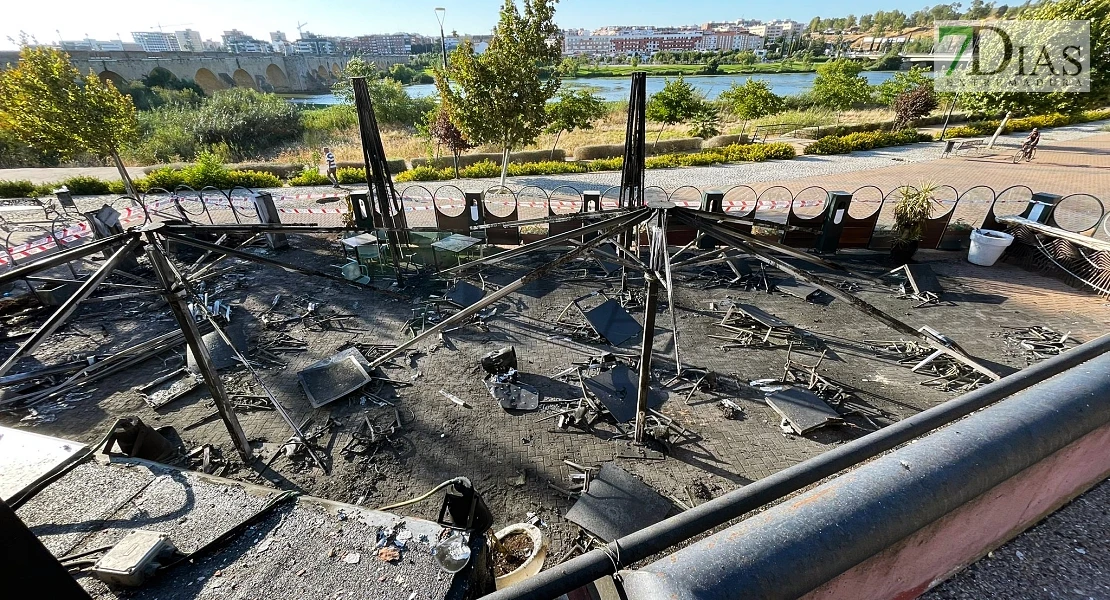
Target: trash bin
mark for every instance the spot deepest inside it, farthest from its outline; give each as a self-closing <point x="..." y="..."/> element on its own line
<point x="987" y="246"/>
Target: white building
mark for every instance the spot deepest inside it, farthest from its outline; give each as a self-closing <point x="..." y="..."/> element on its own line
<point x="91" y="45"/>
<point x="714" y="41"/>
<point x="156" y="41"/>
<point x="189" y="40"/>
<point x="776" y="29"/>
<point x="588" y="45"/>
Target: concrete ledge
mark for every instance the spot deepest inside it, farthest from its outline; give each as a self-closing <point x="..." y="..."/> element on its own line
<point x="902" y="523"/>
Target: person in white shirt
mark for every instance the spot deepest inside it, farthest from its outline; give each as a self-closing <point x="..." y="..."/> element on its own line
<point x="330" y="159"/>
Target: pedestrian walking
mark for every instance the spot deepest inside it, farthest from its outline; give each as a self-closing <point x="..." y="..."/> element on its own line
<point x="329" y="158"/>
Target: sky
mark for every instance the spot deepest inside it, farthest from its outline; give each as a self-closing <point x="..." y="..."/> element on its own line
<point x="116" y="19"/>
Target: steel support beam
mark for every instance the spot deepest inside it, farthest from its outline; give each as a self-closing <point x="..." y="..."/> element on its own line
<point x="624" y="220"/>
<point x="644" y="391"/>
<point x="60" y="258"/>
<point x="70" y="305"/>
<point x="503" y="292"/>
<point x="216" y="249"/>
<point x="175" y="295"/>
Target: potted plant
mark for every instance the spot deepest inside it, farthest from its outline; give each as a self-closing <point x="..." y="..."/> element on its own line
<point x="911" y="214"/>
<point x="957" y="236"/>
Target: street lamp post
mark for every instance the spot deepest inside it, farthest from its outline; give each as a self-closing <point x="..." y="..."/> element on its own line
<point x="440" y="14"/>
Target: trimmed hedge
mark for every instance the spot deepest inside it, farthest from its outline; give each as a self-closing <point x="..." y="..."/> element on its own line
<point x="598" y="151"/>
<point x="467" y="160"/>
<point x="309" y="176"/>
<point x="16" y="189"/>
<point x="982" y="128"/>
<point x="864" y="141"/>
<point x="713" y="156"/>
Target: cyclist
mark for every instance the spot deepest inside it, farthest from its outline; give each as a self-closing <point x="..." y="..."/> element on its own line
<point x="1030" y="143"/>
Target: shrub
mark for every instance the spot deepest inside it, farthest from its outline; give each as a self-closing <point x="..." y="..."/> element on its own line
<point x="605" y="164"/>
<point x="484" y="168"/>
<point x="675" y="145"/>
<point x="309" y="176"/>
<point x="85" y="185"/>
<point x="548" y="167"/>
<point x="209" y="170"/>
<point x="45" y="189"/>
<point x="759" y="152"/>
<point x="166" y="178"/>
<point x="598" y="151"/>
<point x="423" y="173"/>
<point x="351" y="175"/>
<point x="864" y="141"/>
<point x="664" y="161"/>
<point x="246" y="120"/>
<point x="253" y="179"/>
<point x="116" y="186"/>
<point x="327" y="120"/>
<point x="16" y="189"/>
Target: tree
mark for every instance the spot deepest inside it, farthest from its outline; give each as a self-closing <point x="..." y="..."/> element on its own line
<point x="751" y="101"/>
<point x="392" y="104"/>
<point x="838" y="85"/>
<point x="574" y="109"/>
<point x="444" y="132"/>
<point x="901" y="82"/>
<point x="356" y="67"/>
<point x="1021" y="103"/>
<point x="49" y="105"/>
<point x="569" y="67"/>
<point x="677" y="102"/>
<point x="497" y="97"/>
<point x="913" y="104"/>
<point x="706" y="122"/>
<point x="401" y="74"/>
<point x="865" y="22"/>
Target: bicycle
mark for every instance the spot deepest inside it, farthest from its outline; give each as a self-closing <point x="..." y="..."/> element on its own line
<point x="1025" y="152"/>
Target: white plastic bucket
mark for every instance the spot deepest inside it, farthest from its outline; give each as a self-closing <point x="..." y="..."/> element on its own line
<point x="534" y="562"/>
<point x="987" y="245"/>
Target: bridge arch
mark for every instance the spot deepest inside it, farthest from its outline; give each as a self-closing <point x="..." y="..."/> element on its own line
<point x="208" y="81"/>
<point x="244" y="79"/>
<point x="323" y="74"/>
<point x="112" y="77"/>
<point x="276" y="77"/>
<point x="336" y="71"/>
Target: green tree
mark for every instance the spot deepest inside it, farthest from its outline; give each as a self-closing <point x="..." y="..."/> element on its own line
<point x="356" y="67"/>
<point x="392" y="104"/>
<point x="903" y="81"/>
<point x="838" y="85"/>
<point x="49" y="105"/>
<point x="574" y="109"/>
<point x="751" y="101"/>
<point x="401" y="74"/>
<point x="1023" y="103"/>
<point x="569" y="67"/>
<point x="705" y="123"/>
<point x="677" y="102"/>
<point x="497" y="97"/>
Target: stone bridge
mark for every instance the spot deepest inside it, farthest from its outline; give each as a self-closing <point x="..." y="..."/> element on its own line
<point x="214" y="71"/>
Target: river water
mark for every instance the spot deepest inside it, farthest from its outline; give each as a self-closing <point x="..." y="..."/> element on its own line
<point x="616" y="88"/>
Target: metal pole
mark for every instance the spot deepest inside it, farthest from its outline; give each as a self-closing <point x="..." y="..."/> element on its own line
<point x="175" y="296"/>
<point x="67" y="308"/>
<point x="635" y="547"/>
<point x="644" y="391"/>
<point x="951" y="105"/>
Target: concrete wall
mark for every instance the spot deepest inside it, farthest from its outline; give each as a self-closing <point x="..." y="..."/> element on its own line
<point x="220" y="70"/>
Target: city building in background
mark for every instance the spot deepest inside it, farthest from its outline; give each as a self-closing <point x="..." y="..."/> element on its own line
<point x="189" y="40"/>
<point x="237" y="42"/>
<point x="156" y="41"/>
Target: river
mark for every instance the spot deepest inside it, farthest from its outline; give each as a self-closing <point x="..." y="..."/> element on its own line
<point x="616" y="88"/>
